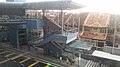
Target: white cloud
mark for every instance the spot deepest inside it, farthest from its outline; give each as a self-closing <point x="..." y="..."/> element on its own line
<point x="107" y="6"/>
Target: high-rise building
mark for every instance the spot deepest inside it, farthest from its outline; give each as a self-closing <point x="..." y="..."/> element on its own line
<point x="15" y="0"/>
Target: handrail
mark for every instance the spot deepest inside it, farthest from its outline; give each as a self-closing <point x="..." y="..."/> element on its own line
<point x="6" y="19"/>
<point x="68" y="18"/>
<point x="55" y="23"/>
<point x="11" y="20"/>
<point x="55" y="44"/>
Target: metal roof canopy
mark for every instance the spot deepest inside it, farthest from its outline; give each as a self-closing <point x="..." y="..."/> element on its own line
<point x="78" y="46"/>
<point x="47" y="5"/>
<point x="11" y="5"/>
<point x="101" y="54"/>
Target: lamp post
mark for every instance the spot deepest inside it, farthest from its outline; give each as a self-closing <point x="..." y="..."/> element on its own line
<point x="114" y="34"/>
<point x="79" y="59"/>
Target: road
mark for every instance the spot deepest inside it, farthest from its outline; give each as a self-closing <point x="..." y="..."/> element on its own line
<point x="36" y="56"/>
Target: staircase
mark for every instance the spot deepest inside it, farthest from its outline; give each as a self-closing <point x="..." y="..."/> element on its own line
<point x="56" y="44"/>
<point x="69" y="21"/>
<point x="54" y="22"/>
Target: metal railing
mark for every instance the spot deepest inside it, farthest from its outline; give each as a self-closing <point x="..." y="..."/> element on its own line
<point x="70" y="24"/>
<point x="16" y="19"/>
<point x="109" y="50"/>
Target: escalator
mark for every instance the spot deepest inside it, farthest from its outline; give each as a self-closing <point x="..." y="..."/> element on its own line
<point x="57" y="45"/>
<point x="60" y="47"/>
<point x="54" y="37"/>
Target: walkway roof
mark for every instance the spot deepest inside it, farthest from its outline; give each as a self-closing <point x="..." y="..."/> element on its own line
<point x="47" y="5"/>
<point x="101" y="54"/>
<point x="78" y="46"/>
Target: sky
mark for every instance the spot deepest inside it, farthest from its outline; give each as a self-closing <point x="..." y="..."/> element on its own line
<point x="107" y="6"/>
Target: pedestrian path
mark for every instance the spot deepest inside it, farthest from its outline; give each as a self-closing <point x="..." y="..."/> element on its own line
<point x="94" y="64"/>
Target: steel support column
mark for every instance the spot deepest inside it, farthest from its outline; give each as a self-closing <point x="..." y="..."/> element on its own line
<point x="79" y="25"/>
<point x="62" y="20"/>
<point x="43" y="13"/>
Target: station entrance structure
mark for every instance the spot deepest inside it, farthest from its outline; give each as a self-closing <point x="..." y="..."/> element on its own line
<point x="59" y="25"/>
<point x="60" y="28"/>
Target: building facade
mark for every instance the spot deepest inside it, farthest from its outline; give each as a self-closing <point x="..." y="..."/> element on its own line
<point x="95" y="29"/>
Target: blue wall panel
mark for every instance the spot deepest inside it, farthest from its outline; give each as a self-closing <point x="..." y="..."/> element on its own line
<point x="34" y="24"/>
<point x="31" y="24"/>
<point x="22" y="26"/>
<point x="40" y="23"/>
<point x="13" y="35"/>
<point x="4" y="34"/>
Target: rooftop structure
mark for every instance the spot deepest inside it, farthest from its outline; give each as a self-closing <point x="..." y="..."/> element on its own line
<point x="48" y="5"/>
<point x="95" y="28"/>
<point x="97" y="20"/>
<point x="21" y="28"/>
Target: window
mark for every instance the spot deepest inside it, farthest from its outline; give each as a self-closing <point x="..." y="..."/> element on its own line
<point x="86" y="28"/>
<point x="111" y="31"/>
<point x="93" y="42"/>
<point x="102" y="30"/>
<point x="118" y="29"/>
<point x="95" y="29"/>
